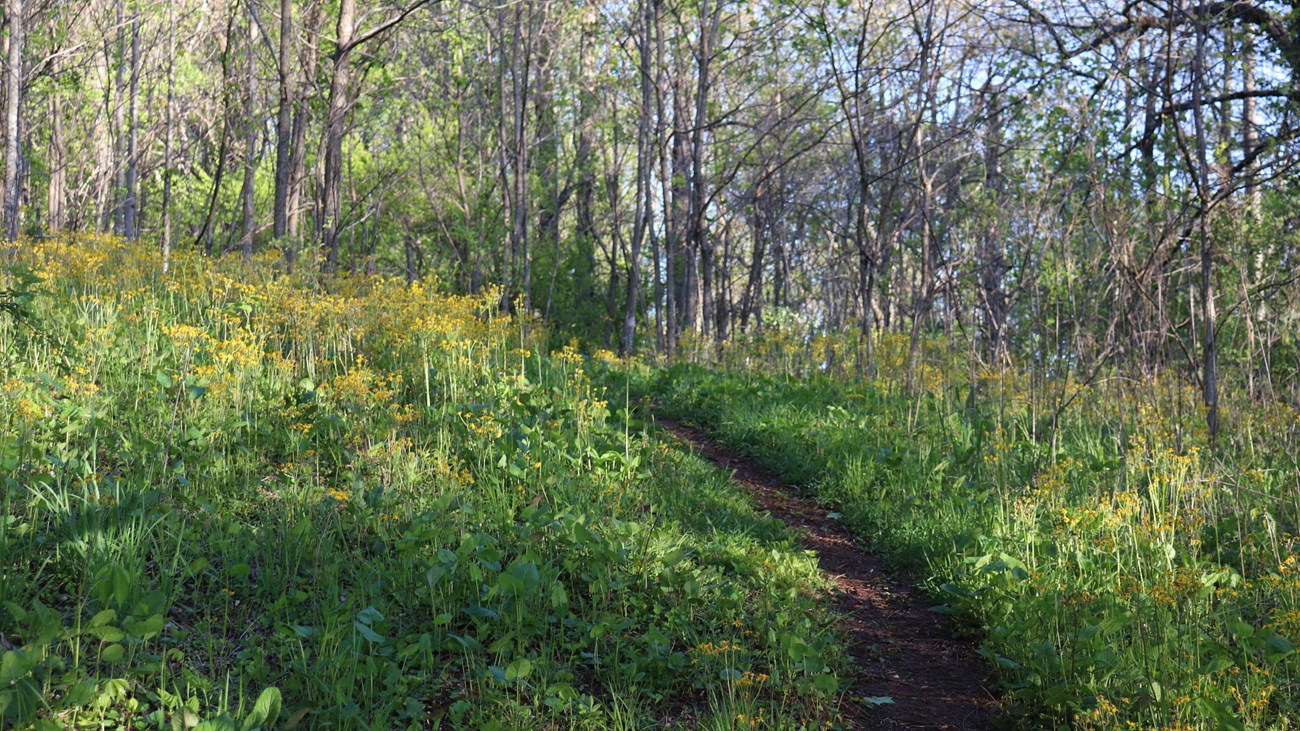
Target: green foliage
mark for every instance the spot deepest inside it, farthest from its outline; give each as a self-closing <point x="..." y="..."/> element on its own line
<point x="17" y="297"/>
<point x="1120" y="575"/>
<point x="251" y="505"/>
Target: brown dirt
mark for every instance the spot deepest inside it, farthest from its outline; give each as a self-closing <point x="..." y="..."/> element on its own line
<point x="902" y="649"/>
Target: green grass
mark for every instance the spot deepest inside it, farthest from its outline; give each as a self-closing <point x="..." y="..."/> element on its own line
<point x="236" y="499"/>
<point x="1121" y="573"/>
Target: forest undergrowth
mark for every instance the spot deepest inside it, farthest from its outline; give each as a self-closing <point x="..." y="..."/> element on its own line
<point x="235" y="498"/>
<point x="1121" y="570"/>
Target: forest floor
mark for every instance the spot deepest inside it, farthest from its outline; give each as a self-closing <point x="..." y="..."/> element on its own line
<point x="912" y="671"/>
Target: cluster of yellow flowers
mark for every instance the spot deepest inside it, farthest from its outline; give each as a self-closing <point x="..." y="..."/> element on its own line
<point x="705" y="649"/>
<point x="362" y="387"/>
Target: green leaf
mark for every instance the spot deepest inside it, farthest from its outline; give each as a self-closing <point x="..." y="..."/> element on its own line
<point x="265" y="710"/>
<point x="1221" y="714"/>
<point x="19" y="614"/>
<point x="366" y="632"/>
<point x="878" y="700"/>
<point x="559" y="597"/>
<point x="80" y="694"/>
<point x="826" y="683"/>
<point x="13" y="666"/>
<point x="518" y="669"/>
<point x="121" y="583"/>
<point x="104" y="617"/>
<point x="107" y="633"/>
<point x="220" y="723"/>
<point x="1280" y="644"/>
<point x="146" y="628"/>
<point x="112" y="653"/>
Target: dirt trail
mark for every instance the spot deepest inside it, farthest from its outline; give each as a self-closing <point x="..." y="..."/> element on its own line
<point x="903" y="650"/>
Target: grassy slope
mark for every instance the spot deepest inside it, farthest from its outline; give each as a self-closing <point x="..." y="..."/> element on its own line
<point x="238" y="499"/>
<point x="1121" y="577"/>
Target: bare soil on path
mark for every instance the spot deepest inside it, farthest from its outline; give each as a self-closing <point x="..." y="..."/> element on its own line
<point x="904" y="651"/>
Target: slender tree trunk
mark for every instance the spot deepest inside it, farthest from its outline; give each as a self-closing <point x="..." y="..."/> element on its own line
<point x="335" y="128"/>
<point x="550" y="197"/>
<point x="588" y="104"/>
<point x="131" y="205"/>
<point x="204" y="237"/>
<point x="643" y="191"/>
<point x="1249" y="122"/>
<point x="521" y="87"/>
<point x="710" y="16"/>
<point x="750" y="301"/>
<point x="104" y="149"/>
<point x="298" y="151"/>
<point x="13" y="88"/>
<point x="680" y="237"/>
<point x="664" y="141"/>
<point x="284" y="124"/>
<point x="58" y="193"/>
<point x="119" y="124"/>
<point x="249" y="218"/>
<point x="1210" y="354"/>
<point x="993" y="256"/>
<point x="169" y="141"/>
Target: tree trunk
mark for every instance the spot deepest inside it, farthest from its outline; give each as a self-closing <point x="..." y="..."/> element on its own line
<point x="1210" y="354"/>
<point x="284" y="124"/>
<point x="1249" y="122"/>
<point x="710" y="16"/>
<point x="204" y="237"/>
<point x="550" y="198"/>
<point x="249" y="218"/>
<point x="119" y="124"/>
<point x="58" y="193"/>
<point x="643" y="191"/>
<point x="13" y="88"/>
<point x="335" y="128"/>
<point x="588" y="104"/>
<point x="663" y="139"/>
<point x="103" y="143"/>
<point x="679" y="248"/>
<point x="168" y="141"/>
<point x="131" y="205"/>
<point x="298" y="152"/>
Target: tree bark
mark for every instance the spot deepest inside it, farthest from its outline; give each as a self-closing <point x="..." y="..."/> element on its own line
<point x="169" y="141"/>
<point x="1250" y="123"/>
<point x="644" y="196"/>
<point x="57" y="196"/>
<point x="298" y="151"/>
<point x="13" y="87"/>
<point x="248" y="218"/>
<point x="284" y="124"/>
<point x="335" y="128"/>
<point x="131" y="204"/>
<point x="119" y="124"/>
<point x="1210" y="352"/>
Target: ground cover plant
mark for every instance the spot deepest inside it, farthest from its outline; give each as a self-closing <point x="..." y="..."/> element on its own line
<point x="238" y="498"/>
<point x="1120" y="570"/>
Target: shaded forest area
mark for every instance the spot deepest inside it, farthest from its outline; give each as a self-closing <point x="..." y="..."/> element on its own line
<point x="1081" y="184"/>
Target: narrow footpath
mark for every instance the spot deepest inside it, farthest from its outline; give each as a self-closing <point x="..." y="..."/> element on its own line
<point x="911" y="672"/>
